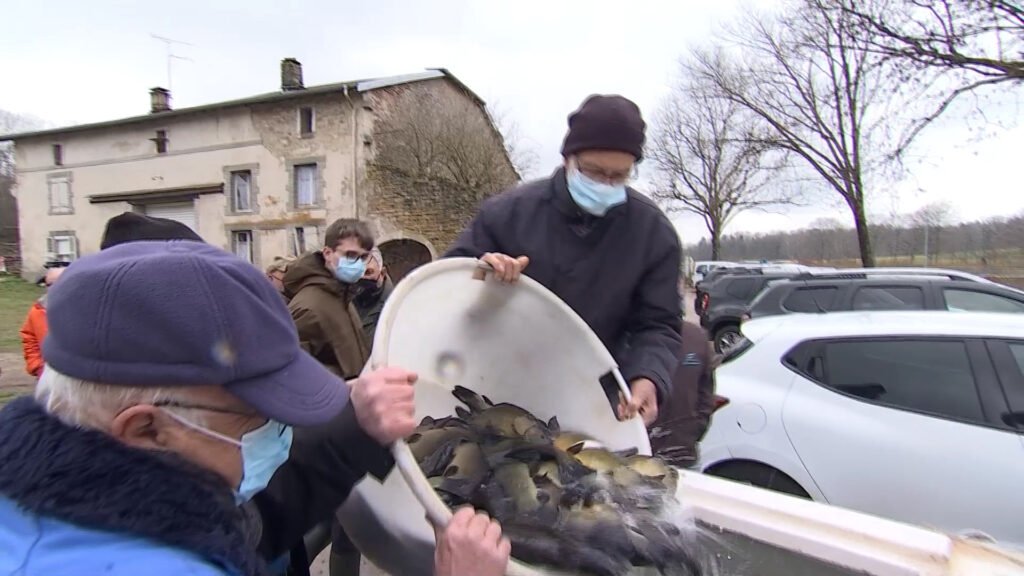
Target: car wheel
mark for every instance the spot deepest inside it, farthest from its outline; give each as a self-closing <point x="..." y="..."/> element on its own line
<point x="726" y="337"/>
<point x="760" y="475"/>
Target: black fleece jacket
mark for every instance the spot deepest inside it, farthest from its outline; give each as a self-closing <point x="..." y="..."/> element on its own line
<point x="620" y="273"/>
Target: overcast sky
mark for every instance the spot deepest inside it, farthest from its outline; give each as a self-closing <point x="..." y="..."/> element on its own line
<point x="71" y="62"/>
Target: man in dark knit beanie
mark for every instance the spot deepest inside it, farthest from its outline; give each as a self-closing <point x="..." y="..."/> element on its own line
<point x="131" y="227"/>
<point x="606" y="250"/>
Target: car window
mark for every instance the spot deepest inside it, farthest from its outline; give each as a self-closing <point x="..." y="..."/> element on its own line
<point x="958" y="299"/>
<point x="701" y="269"/>
<point x="1018" y="354"/>
<point x="888" y="298"/>
<point x="932" y="376"/>
<point x="806" y="299"/>
<point x="741" y="288"/>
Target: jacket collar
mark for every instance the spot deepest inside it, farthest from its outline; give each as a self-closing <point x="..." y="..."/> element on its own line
<point x="85" y="478"/>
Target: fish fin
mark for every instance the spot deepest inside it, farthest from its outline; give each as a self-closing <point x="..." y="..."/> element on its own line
<point x="427" y="421"/>
<point x="626" y="453"/>
<point x="471" y="399"/>
<point x="461" y="487"/>
<point x="437" y="462"/>
<point x="488" y="400"/>
<point x="554" y="426"/>
<point x="462" y="412"/>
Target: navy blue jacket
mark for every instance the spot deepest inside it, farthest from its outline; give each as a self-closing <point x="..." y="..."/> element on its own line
<point x="620" y="273"/>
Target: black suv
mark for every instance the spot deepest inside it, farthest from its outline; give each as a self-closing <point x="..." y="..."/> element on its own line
<point x="819" y="295"/>
<point x="725" y="302"/>
<point x="710" y="278"/>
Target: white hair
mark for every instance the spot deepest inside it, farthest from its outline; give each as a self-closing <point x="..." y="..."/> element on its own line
<point x="93" y="405"/>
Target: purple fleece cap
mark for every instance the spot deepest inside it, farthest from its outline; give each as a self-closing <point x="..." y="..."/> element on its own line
<point x="184" y="314"/>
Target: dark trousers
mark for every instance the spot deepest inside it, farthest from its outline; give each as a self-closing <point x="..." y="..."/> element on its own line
<point x="345" y="557"/>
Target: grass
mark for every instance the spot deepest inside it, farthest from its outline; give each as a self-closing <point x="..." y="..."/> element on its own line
<point x="16" y="297"/>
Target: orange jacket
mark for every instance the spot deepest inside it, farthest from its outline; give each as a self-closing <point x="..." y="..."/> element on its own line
<point x="32" y="333"/>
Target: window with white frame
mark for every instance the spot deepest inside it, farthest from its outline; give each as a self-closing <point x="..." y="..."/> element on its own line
<point x="60" y="196"/>
<point x="305" y="185"/>
<point x="62" y="247"/>
<point x="241" y="191"/>
<point x="242" y="244"/>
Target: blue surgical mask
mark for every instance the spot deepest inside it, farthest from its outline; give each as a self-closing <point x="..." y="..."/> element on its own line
<point x="595" y="198"/>
<point x="350" y="271"/>
<point x="264" y="450"/>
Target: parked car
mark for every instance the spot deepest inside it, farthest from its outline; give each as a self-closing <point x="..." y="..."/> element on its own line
<point x="916" y="416"/>
<point x="821" y="294"/>
<point x="725" y="301"/>
<point x="701" y="288"/>
<point x="701" y="268"/>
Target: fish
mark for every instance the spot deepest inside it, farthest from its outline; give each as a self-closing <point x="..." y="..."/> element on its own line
<point x="466" y="472"/>
<point x="434" y="449"/>
<point x="429" y="423"/>
<point x="507" y="420"/>
<point x="567" y="440"/>
<point x="655" y="468"/>
<point x="543" y="545"/>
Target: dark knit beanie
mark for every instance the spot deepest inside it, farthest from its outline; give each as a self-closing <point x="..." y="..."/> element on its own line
<point x="605" y="123"/>
<point x="131" y="227"/>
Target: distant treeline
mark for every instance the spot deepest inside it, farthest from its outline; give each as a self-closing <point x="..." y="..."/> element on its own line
<point x="994" y="243"/>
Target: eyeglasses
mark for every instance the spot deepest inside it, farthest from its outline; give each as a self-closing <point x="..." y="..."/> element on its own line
<point x="608" y="176"/>
<point x="352" y="255"/>
<point x="218" y="409"/>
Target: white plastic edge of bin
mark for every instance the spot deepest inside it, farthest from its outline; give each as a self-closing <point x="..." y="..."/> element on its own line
<point x="843" y="537"/>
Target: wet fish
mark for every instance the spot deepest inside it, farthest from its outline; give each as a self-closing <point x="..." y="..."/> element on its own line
<point x="655" y="468"/>
<point x="503" y="419"/>
<point x="466" y="472"/>
<point x="545" y="546"/>
<point x="428" y="446"/>
<point x="567" y="440"/>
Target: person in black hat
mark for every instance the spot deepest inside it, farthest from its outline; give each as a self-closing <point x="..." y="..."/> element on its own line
<point x="606" y="250"/>
<point x="132" y="227"/>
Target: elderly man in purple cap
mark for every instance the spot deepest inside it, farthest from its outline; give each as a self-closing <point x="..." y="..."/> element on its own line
<point x="606" y="250"/>
<point x="173" y="379"/>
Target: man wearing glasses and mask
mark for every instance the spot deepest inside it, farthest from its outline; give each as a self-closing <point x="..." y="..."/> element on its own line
<point x="322" y="285"/>
<point x="603" y="248"/>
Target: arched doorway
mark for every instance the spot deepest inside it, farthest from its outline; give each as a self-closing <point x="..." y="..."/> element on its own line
<point x="403" y="256"/>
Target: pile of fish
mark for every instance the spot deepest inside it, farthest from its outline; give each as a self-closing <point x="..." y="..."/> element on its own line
<point x="563" y="501"/>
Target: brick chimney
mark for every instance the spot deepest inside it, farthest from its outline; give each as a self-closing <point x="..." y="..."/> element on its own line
<point x="159" y="100"/>
<point x="291" y="75"/>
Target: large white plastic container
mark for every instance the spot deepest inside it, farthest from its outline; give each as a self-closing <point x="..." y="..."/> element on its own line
<point x="519" y="343"/>
<point x="455" y="325"/>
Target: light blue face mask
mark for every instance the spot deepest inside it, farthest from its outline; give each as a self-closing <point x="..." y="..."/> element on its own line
<point x="264" y="450"/>
<point x="595" y="198"/>
<point x="350" y="271"/>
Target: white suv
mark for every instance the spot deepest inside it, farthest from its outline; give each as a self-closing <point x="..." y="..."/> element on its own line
<point x="915" y="416"/>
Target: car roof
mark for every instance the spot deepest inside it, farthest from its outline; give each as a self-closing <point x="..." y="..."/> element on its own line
<point x="886" y="323"/>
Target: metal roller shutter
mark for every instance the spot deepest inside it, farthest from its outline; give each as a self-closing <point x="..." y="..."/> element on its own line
<point x="184" y="212"/>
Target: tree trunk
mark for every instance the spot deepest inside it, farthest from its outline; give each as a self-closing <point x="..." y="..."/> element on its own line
<point x="716" y="243"/>
<point x="867" y="254"/>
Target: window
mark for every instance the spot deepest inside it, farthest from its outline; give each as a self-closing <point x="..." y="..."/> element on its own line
<point x="961" y="300"/>
<point x="62" y="246"/>
<point x="741" y="288"/>
<point x="817" y="299"/>
<point x="303" y="238"/>
<point x="306" y="121"/>
<point x="1018" y="354"/>
<point x="241" y="243"/>
<point x="241" y="191"/>
<point x="60" y="196"/>
<point x="932" y="376"/>
<point x="305" y="185"/>
<point x="888" y="298"/>
<point x="58" y="155"/>
<point x="161" y="141"/>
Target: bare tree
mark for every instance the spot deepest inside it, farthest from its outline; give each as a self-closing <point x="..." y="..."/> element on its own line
<point x="429" y="140"/>
<point x="931" y="219"/>
<point x="523" y="155"/>
<point x="819" y="89"/>
<point x="708" y="162"/>
<point x="968" y="43"/>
